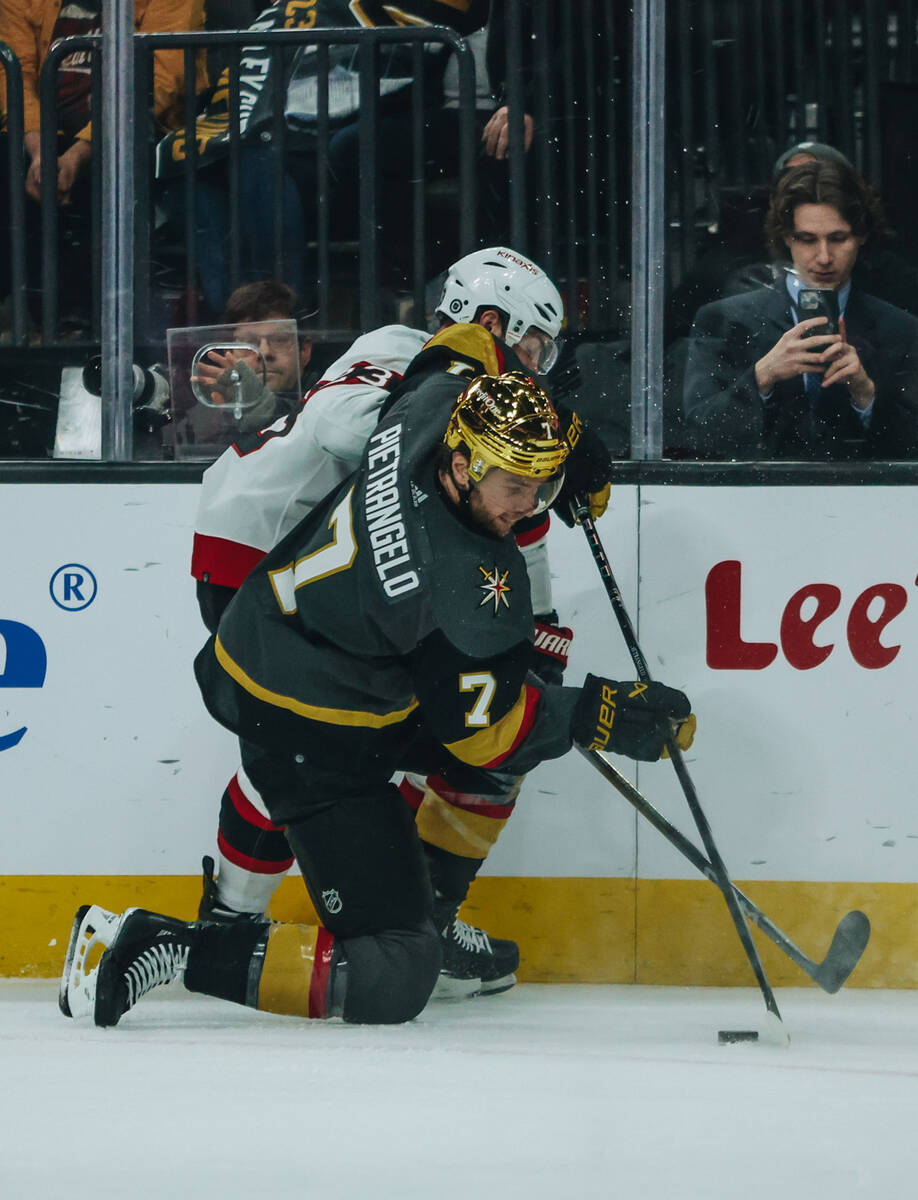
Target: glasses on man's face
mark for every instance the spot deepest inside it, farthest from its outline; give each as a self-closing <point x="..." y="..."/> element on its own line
<point x="274" y="341"/>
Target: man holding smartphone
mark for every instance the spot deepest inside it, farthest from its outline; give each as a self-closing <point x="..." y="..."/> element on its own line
<point x="768" y="379"/>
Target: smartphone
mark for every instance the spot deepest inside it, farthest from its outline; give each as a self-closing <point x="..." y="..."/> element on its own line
<point x="818" y="302"/>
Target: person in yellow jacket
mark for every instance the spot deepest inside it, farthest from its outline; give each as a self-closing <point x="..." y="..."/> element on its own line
<point x="29" y="28"/>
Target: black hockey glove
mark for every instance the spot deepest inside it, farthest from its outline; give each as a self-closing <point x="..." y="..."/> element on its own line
<point x="634" y="719"/>
<point x="551" y="648"/>
<point x="587" y="471"/>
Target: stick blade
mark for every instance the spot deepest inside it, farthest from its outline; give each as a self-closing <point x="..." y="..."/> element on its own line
<point x="848" y="944"/>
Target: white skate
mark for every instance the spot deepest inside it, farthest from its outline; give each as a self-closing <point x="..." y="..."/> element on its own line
<point x="92" y="926"/>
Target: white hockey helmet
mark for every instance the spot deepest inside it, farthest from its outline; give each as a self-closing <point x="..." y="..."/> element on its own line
<point x="498" y="277"/>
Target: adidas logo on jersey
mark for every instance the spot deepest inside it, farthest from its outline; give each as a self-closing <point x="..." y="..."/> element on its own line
<point x="417" y="495"/>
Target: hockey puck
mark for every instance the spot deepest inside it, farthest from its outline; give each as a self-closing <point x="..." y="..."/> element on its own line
<point x="726" y="1036"/>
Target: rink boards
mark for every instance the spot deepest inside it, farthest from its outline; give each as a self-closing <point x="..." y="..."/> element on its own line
<point x="788" y="614"/>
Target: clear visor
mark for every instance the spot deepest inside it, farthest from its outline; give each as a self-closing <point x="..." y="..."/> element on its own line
<point x="548" y="492"/>
<point x="537" y="351"/>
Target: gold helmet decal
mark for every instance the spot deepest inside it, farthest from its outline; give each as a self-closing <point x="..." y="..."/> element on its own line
<point x="507" y="421"/>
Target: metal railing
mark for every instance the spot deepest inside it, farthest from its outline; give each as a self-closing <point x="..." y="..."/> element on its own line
<point x="645" y="114"/>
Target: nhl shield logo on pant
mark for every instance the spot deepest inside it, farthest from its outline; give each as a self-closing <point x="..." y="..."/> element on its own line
<point x="332" y="901"/>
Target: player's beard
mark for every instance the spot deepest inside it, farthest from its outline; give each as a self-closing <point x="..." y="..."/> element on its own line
<point x="498" y="525"/>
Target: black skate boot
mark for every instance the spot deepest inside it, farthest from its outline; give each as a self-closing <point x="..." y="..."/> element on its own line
<point x="210" y="909"/>
<point x="147" y="950"/>
<point x="474" y="964"/>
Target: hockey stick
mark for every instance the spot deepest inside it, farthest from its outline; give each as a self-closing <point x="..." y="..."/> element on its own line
<point x="581" y="512"/>
<point x="850" y="938"/>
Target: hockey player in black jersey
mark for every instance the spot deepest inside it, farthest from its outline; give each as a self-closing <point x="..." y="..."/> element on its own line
<point x="257" y="491"/>
<point x="390" y="630"/>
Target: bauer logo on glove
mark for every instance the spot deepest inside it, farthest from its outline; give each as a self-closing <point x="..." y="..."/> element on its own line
<point x="635" y="719"/>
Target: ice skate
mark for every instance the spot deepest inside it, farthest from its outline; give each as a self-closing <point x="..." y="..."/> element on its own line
<point x="146" y="951"/>
<point x="92" y="926"/>
<point x="211" y="909"/>
<point x="474" y="964"/>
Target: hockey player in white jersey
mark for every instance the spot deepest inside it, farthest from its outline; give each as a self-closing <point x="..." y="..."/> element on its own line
<point x="264" y="484"/>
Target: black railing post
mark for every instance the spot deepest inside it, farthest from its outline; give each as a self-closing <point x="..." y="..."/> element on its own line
<point x="143" y="207"/>
<point x="16" y="184"/>
<point x="50" y="265"/>
<point x="647" y="229"/>
<point x="468" y="150"/>
<point x="516" y="103"/>
<point x="323" y="189"/>
<point x="117" y="147"/>
<point x="368" y="126"/>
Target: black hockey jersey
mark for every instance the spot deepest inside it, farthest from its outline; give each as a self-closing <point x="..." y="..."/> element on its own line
<point x="386" y="615"/>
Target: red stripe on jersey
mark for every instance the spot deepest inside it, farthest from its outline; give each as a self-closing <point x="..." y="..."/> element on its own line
<point x="221" y="561"/>
<point x="412" y="794"/>
<point x="469" y="801"/>
<point x="525" y="537"/>
<point x="258" y="866"/>
<point x="529" y="711"/>
<point x="321" y="969"/>
<point x="247" y="810"/>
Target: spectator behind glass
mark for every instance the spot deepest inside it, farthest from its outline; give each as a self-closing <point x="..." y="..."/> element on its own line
<point x="761" y="382"/>
<point x="732" y="258"/>
<point x="295" y="75"/>
<point x="395" y="163"/>
<point x="30" y="27"/>
<point x="285" y="356"/>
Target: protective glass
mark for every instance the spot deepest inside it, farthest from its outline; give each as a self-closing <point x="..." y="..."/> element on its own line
<point x="217" y="377"/>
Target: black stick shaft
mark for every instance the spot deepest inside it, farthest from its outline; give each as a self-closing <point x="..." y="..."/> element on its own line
<point x="722" y="878"/>
<point x="690" y="851"/>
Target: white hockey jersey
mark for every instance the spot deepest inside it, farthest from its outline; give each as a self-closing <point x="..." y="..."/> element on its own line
<point x="263" y="485"/>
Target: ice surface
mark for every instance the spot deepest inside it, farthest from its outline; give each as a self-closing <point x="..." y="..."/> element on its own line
<point x="547" y="1091"/>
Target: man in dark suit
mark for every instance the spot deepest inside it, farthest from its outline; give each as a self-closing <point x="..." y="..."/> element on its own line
<point x="761" y="382"/>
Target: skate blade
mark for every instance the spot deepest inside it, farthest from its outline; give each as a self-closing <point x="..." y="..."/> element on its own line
<point x="493" y="987"/>
<point x="448" y="987"/>
<point x="92" y="926"/>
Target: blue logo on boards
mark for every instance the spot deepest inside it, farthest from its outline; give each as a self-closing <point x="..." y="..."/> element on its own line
<point x="23" y="658"/>
<point x="23" y="664"/>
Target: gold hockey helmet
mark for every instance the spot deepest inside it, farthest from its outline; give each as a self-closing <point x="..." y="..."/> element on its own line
<point x="507" y="421"/>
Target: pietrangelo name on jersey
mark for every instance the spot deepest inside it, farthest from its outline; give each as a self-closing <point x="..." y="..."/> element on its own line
<point x="385" y="526"/>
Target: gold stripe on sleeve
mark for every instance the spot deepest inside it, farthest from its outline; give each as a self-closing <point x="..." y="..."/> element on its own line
<point x="315" y="712"/>
<point x="492" y="743"/>
<point x="290" y="956"/>
<point x="468" y="834"/>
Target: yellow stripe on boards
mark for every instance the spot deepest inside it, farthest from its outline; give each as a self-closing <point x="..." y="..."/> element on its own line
<point x="570" y="930"/>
